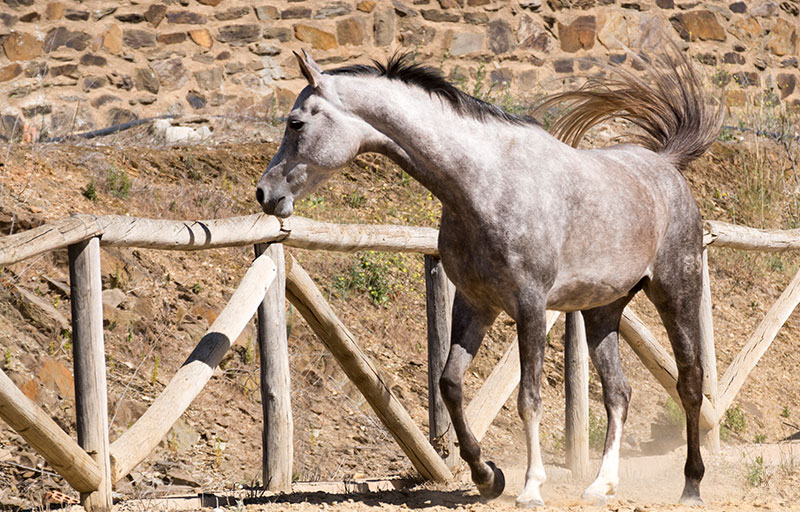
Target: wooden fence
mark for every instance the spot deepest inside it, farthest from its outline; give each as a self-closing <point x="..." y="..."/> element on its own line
<point x="93" y="464"/>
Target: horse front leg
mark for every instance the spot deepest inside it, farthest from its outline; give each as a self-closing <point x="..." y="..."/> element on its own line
<point x="468" y="329"/>
<point x="532" y="333"/>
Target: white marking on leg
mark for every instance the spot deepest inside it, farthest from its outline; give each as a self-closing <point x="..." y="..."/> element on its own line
<point x="605" y="484"/>
<point x="535" y="475"/>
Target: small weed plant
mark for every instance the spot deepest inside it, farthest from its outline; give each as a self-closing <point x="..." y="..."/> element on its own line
<point x="90" y="192"/>
<point x="368" y="274"/>
<point x="755" y="473"/>
<point x="675" y="415"/>
<point x="597" y="431"/>
<point x="154" y="373"/>
<point x="118" y="182"/>
<point x="356" y="200"/>
<point x="734" y="422"/>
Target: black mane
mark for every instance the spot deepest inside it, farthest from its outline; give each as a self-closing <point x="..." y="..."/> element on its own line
<point x="401" y="67"/>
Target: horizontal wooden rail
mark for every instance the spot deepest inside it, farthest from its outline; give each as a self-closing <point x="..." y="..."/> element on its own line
<point x="137" y="442"/>
<point x="306" y="297"/>
<point x="311" y="234"/>
<point x="119" y="231"/>
<point x="49" y="237"/>
<point x="47" y="438"/>
<point x="722" y="234"/>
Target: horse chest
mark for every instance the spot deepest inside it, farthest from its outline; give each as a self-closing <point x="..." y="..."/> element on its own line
<point x="483" y="264"/>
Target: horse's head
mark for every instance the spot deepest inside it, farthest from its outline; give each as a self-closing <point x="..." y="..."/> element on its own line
<point x="320" y="137"/>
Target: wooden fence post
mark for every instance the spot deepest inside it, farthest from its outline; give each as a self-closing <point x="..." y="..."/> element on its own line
<point x="91" y="398"/>
<point x="277" y="436"/>
<point x="708" y="355"/>
<point x="439" y="306"/>
<point x="576" y="388"/>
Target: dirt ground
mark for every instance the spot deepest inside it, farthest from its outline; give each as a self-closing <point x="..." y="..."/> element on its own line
<point x="647" y="483"/>
<point x="168" y="299"/>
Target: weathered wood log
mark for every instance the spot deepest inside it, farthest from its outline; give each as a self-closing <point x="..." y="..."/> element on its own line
<point x="294" y="231"/>
<point x="137" y="442"/>
<point x="576" y="389"/>
<point x="91" y="396"/>
<point x="659" y="362"/>
<point x="309" y="301"/>
<point x="46" y="437"/>
<point x="311" y="234"/>
<point x="119" y="231"/>
<point x="708" y="355"/>
<point x="722" y="234"/>
<point x="439" y="304"/>
<point x="759" y="342"/>
<point x="52" y="236"/>
<point x="492" y="396"/>
<point x="276" y="405"/>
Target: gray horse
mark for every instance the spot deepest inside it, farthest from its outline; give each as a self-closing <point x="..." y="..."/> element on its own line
<point x="530" y="223"/>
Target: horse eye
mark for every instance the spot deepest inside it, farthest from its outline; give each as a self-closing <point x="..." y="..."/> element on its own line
<point x="295" y="124"/>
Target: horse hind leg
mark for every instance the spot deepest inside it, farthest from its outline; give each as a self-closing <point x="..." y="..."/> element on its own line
<point x="677" y="299"/>
<point x="602" y="336"/>
<point x="468" y="329"/>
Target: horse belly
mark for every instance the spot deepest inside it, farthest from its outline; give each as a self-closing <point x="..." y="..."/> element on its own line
<point x="599" y="281"/>
<point x="579" y="295"/>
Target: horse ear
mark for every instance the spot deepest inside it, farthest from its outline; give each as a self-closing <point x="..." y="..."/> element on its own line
<point x="311" y="71"/>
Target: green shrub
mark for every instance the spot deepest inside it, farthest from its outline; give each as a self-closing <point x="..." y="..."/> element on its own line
<point x="90" y="192"/>
<point x="118" y="182"/>
<point x="597" y="430"/>
<point x="368" y="275"/>
<point x="734" y="422"/>
<point x="755" y="473"/>
<point x="675" y="414"/>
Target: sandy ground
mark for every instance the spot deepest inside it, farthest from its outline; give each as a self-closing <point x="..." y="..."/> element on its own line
<point x="650" y="483"/>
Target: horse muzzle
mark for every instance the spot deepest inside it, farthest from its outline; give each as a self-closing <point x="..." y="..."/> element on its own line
<point x="282" y="206"/>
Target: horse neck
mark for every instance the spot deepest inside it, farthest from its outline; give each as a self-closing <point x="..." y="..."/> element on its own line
<point x="445" y="151"/>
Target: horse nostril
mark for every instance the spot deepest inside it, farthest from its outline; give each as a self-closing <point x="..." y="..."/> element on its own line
<point x="259" y="195"/>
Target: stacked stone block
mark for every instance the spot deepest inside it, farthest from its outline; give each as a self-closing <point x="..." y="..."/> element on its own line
<point x="70" y="66"/>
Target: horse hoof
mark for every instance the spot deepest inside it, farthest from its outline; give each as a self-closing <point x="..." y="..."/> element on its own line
<point x="595" y="498"/>
<point x="495" y="488"/>
<point x="692" y="501"/>
<point x="530" y="504"/>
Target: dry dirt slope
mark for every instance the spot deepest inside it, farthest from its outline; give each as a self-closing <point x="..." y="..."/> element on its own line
<point x="159" y="303"/>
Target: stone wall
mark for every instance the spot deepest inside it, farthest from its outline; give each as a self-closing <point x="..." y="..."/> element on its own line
<point x="70" y="65"/>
